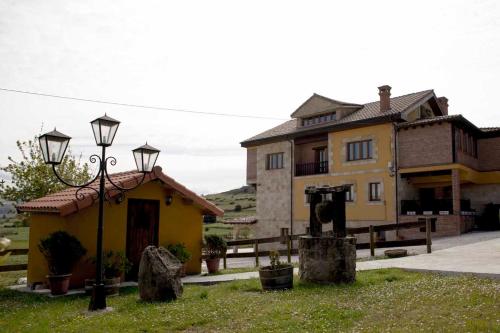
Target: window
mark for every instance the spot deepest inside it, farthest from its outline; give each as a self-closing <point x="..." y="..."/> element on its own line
<point x="321" y="160"/>
<point x="458" y="138"/>
<point x="349" y="195"/>
<point x="359" y="150"/>
<point x="466" y="142"/>
<point x="274" y="161"/>
<point x="319" y="119"/>
<point x="374" y="192"/>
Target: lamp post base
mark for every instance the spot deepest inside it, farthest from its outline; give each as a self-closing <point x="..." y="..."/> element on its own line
<point x="98" y="298"/>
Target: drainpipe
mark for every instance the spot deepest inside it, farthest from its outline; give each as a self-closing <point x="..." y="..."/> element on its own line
<point x="396" y="174"/>
<point x="291" y="187"/>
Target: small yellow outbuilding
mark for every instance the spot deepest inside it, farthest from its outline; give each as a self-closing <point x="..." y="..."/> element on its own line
<point x="158" y="212"/>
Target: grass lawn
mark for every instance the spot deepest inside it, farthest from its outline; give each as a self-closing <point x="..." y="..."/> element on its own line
<point x="383" y="300"/>
<point x="19" y="236"/>
<point x="10" y="278"/>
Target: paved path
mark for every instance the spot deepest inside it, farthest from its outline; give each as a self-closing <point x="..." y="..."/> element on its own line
<point x="481" y="258"/>
<point x="438" y="244"/>
<point x="474" y="253"/>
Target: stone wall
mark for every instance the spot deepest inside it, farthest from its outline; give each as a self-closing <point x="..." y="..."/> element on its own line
<point x="427" y="145"/>
<point x="327" y="260"/>
<point x="273" y="193"/>
<point x="480" y="195"/>
<point x="446" y="225"/>
<point x="489" y="154"/>
<point x="251" y="166"/>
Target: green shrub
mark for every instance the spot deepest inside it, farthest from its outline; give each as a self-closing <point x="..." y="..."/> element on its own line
<point x="62" y="251"/>
<point x="237" y="208"/>
<point x="179" y="251"/>
<point x="114" y="264"/>
<point x="215" y="246"/>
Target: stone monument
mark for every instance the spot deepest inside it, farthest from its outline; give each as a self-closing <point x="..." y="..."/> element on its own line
<point x="327" y="258"/>
<point x="159" y="275"/>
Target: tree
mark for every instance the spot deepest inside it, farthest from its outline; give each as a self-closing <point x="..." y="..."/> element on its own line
<point x="31" y="178"/>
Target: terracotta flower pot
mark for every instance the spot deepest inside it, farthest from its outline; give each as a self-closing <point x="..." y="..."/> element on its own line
<point x="111" y="286"/>
<point x="183" y="270"/>
<point x="212" y="265"/>
<point x="59" y="284"/>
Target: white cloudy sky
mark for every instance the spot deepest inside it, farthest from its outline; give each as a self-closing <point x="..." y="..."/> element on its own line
<point x="240" y="57"/>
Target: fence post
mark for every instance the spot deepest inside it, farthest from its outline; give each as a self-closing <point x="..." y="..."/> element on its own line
<point x="256" y="250"/>
<point x="224" y="261"/>
<point x="289" y="248"/>
<point x="428" y="239"/>
<point x="372" y="241"/>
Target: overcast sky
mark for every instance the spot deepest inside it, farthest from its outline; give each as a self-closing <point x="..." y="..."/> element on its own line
<point x="239" y="57"/>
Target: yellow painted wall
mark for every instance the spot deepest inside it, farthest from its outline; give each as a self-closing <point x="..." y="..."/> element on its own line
<point x="467" y="175"/>
<point x="359" y="173"/>
<point x="179" y="223"/>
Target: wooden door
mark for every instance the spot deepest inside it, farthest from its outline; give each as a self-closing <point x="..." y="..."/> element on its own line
<point x="142" y="230"/>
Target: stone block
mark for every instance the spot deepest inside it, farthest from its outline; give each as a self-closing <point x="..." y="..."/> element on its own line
<point x="327" y="260"/>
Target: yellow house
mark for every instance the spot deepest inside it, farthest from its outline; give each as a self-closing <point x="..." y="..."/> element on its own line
<point x="158" y="212"/>
<point x="396" y="155"/>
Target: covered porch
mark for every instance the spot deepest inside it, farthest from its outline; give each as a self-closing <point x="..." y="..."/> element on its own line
<point x="436" y="193"/>
<point x="311" y="155"/>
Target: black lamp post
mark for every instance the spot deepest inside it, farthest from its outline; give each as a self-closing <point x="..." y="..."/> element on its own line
<point x="54" y="145"/>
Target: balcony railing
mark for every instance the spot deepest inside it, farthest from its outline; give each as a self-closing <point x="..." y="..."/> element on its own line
<point x="314" y="168"/>
<point x="435" y="206"/>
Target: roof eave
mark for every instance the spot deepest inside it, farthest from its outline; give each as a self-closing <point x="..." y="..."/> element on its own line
<point x="331" y="128"/>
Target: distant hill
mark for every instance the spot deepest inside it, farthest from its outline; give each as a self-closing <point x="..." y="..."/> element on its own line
<point x="239" y="202"/>
<point x="242" y="190"/>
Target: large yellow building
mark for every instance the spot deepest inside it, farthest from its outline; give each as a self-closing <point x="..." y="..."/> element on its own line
<point x="396" y="154"/>
<point x="159" y="212"/>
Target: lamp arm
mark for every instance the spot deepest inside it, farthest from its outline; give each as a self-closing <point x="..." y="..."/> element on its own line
<point x="123" y="189"/>
<point x="93" y="159"/>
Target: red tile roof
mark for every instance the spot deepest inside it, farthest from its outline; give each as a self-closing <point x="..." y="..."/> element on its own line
<point x="368" y="111"/>
<point x="242" y="220"/>
<point x="65" y="202"/>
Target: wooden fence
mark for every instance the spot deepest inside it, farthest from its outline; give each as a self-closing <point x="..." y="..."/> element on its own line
<point x="372" y="245"/>
<point x="16" y="267"/>
<point x="287" y="239"/>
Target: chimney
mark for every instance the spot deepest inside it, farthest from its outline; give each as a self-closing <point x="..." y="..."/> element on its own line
<point x="443" y="105"/>
<point x="385" y="98"/>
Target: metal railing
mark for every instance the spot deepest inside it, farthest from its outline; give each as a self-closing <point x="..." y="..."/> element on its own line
<point x="313" y="168"/>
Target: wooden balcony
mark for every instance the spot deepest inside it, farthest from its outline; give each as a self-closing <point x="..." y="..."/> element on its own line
<point x="314" y="168"/>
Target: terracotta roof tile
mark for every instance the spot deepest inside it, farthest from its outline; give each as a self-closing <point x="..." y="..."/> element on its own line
<point x="242" y="220"/>
<point x="371" y="110"/>
<point x="489" y="129"/>
<point x="65" y="202"/>
<point x="431" y="120"/>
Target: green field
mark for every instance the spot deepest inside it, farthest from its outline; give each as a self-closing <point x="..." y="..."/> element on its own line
<point x="379" y="301"/>
<point x="228" y="201"/>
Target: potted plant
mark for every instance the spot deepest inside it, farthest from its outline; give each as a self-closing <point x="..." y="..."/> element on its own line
<point x="278" y="275"/>
<point x="62" y="251"/>
<point x="180" y="251"/>
<point x="215" y="248"/>
<point x="115" y="264"/>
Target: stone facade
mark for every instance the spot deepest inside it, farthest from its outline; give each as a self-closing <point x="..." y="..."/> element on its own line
<point x="273" y="193"/>
<point x="251" y="166"/>
<point x="481" y="194"/>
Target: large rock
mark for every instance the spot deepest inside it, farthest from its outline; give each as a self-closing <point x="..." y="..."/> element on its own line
<point x="159" y="275"/>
